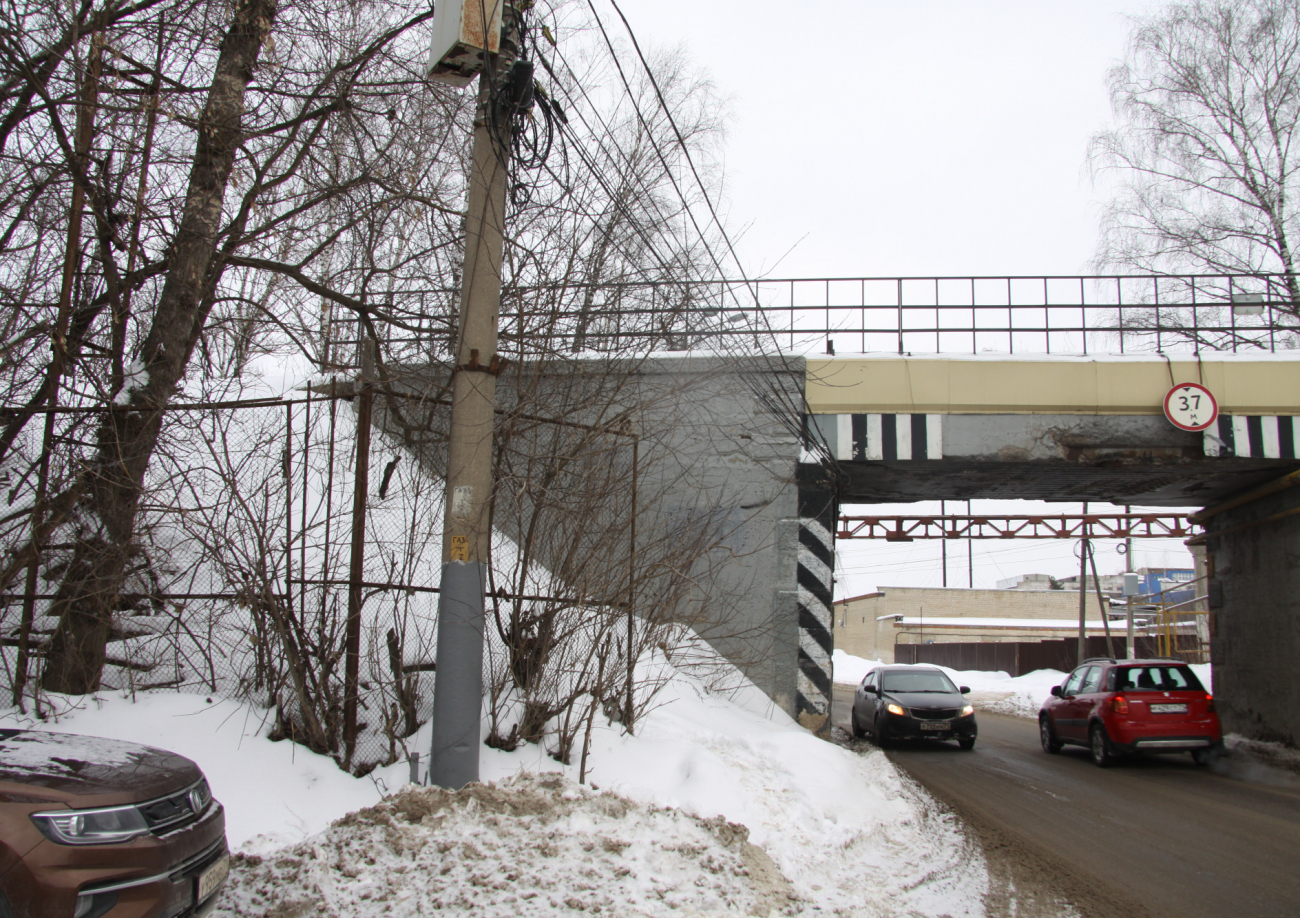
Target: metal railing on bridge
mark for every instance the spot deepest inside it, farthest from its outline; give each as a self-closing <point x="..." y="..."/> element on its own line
<point x="1011" y="314"/>
<point x="1078" y="314"/>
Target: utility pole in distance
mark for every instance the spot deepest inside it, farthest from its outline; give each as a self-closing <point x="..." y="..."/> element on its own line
<point x="1083" y="590"/>
<point x="467" y="521"/>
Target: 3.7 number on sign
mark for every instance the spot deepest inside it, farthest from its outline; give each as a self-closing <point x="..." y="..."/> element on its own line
<point x="1191" y="406"/>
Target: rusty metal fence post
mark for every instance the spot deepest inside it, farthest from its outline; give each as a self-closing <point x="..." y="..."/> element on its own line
<point x="630" y="715"/>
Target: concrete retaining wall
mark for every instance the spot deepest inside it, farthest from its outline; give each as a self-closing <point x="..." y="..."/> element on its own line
<point x="717" y="508"/>
<point x="1254" y="598"/>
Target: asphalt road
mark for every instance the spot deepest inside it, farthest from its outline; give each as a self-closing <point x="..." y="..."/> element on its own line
<point x="1155" y="836"/>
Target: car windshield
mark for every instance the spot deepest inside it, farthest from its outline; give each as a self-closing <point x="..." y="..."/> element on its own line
<point x="1172" y="678"/>
<point x="918" y="681"/>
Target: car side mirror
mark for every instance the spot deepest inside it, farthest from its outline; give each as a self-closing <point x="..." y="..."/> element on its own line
<point x="1056" y="690"/>
<point x="964" y="689"/>
<point x="880" y="690"/>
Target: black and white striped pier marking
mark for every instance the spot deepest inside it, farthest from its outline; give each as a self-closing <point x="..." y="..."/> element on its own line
<point x="816" y="568"/>
<point x="1254" y="436"/>
<point x="880" y="437"/>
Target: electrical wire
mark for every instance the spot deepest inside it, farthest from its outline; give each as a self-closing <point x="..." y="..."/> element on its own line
<point x="770" y="394"/>
<point x="530" y="141"/>
<point x="615" y="154"/>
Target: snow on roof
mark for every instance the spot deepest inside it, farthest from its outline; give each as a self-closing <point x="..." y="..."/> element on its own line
<point x="1024" y="624"/>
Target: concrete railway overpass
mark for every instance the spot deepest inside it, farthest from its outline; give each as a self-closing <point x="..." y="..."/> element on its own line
<point x="1059" y="428"/>
<point x="897" y="428"/>
<point x="1073" y="429"/>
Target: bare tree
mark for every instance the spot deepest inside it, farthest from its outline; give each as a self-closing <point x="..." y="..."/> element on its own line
<point x="219" y="176"/>
<point x="1206" y="151"/>
<point x="277" y="180"/>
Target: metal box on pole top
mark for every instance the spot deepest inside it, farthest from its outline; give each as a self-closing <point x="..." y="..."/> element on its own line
<point x="464" y="32"/>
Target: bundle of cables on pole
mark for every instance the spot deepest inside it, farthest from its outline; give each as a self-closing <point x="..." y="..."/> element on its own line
<point x="521" y="115"/>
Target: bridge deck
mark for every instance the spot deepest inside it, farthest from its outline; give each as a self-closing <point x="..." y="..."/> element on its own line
<point x="1051" y="428"/>
<point x="1265" y="384"/>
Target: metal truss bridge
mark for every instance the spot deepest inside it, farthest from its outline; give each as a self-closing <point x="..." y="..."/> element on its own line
<point x="1065" y="526"/>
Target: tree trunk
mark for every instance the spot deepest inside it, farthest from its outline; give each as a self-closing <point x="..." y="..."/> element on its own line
<point x="127" y="438"/>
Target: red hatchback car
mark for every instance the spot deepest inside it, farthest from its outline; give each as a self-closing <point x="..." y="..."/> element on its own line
<point x="1115" y="707"/>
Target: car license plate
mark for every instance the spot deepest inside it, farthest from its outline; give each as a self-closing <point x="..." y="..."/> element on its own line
<point x="211" y="878"/>
<point x="934" y="727"/>
<point x="1168" y="709"/>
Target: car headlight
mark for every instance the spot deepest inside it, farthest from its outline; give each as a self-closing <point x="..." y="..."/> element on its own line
<point x="895" y="709"/>
<point x="968" y="710"/>
<point x="106" y="826"/>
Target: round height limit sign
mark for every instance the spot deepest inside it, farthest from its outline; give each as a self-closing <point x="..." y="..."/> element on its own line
<point x="1190" y="406"/>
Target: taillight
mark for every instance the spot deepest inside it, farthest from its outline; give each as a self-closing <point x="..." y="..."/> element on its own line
<point x="1209" y="703"/>
<point x="1119" y="704"/>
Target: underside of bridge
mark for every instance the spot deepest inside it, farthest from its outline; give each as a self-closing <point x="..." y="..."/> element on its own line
<point x="1119" y="460"/>
<point x="906" y="429"/>
<point x="1059" y="429"/>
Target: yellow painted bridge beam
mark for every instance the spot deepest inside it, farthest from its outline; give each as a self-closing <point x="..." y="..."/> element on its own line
<point x="976" y="384"/>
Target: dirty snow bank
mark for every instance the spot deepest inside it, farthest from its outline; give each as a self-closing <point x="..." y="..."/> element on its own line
<point x="852" y="835"/>
<point x="533" y="845"/>
<point x="845" y="832"/>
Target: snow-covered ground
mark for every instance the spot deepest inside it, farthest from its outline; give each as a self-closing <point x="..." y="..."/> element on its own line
<point x="999" y="692"/>
<point x="719" y="804"/>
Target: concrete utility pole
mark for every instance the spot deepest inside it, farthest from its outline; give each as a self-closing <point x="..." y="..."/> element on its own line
<point x="467" y="522"/>
<point x="943" y="512"/>
<point x="970" y="556"/>
<point x="1128" y="599"/>
<point x="1083" y="592"/>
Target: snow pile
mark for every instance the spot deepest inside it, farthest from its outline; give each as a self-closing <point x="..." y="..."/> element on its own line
<point x="1019" y="696"/>
<point x="1261" y="762"/>
<point x="850" y="670"/>
<point x="841" y="832"/>
<point x="847" y="830"/>
<point x="533" y="845"/>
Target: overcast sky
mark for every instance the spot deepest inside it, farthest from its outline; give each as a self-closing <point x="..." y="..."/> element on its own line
<point x="937" y="137"/>
<point x="945" y="137"/>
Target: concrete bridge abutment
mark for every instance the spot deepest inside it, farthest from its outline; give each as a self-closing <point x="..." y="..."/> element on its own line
<point x="1253" y="567"/>
<point x="733" y="534"/>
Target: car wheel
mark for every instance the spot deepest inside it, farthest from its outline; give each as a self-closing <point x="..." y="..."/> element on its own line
<point x="967" y="743"/>
<point x="1099" y="745"/>
<point x="878" y="734"/>
<point x="1047" y="735"/>
<point x="853" y="724"/>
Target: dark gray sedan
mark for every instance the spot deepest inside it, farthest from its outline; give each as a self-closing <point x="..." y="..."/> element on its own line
<point x="912" y="702"/>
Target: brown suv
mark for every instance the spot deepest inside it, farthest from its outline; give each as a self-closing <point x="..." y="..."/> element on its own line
<point x="95" y="827"/>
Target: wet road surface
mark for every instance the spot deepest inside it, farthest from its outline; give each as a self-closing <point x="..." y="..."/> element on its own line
<point x="1156" y="836"/>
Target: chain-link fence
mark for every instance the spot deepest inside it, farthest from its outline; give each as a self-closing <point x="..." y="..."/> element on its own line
<point x="288" y="555"/>
<point x="272" y="564"/>
<point x="268" y="566"/>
